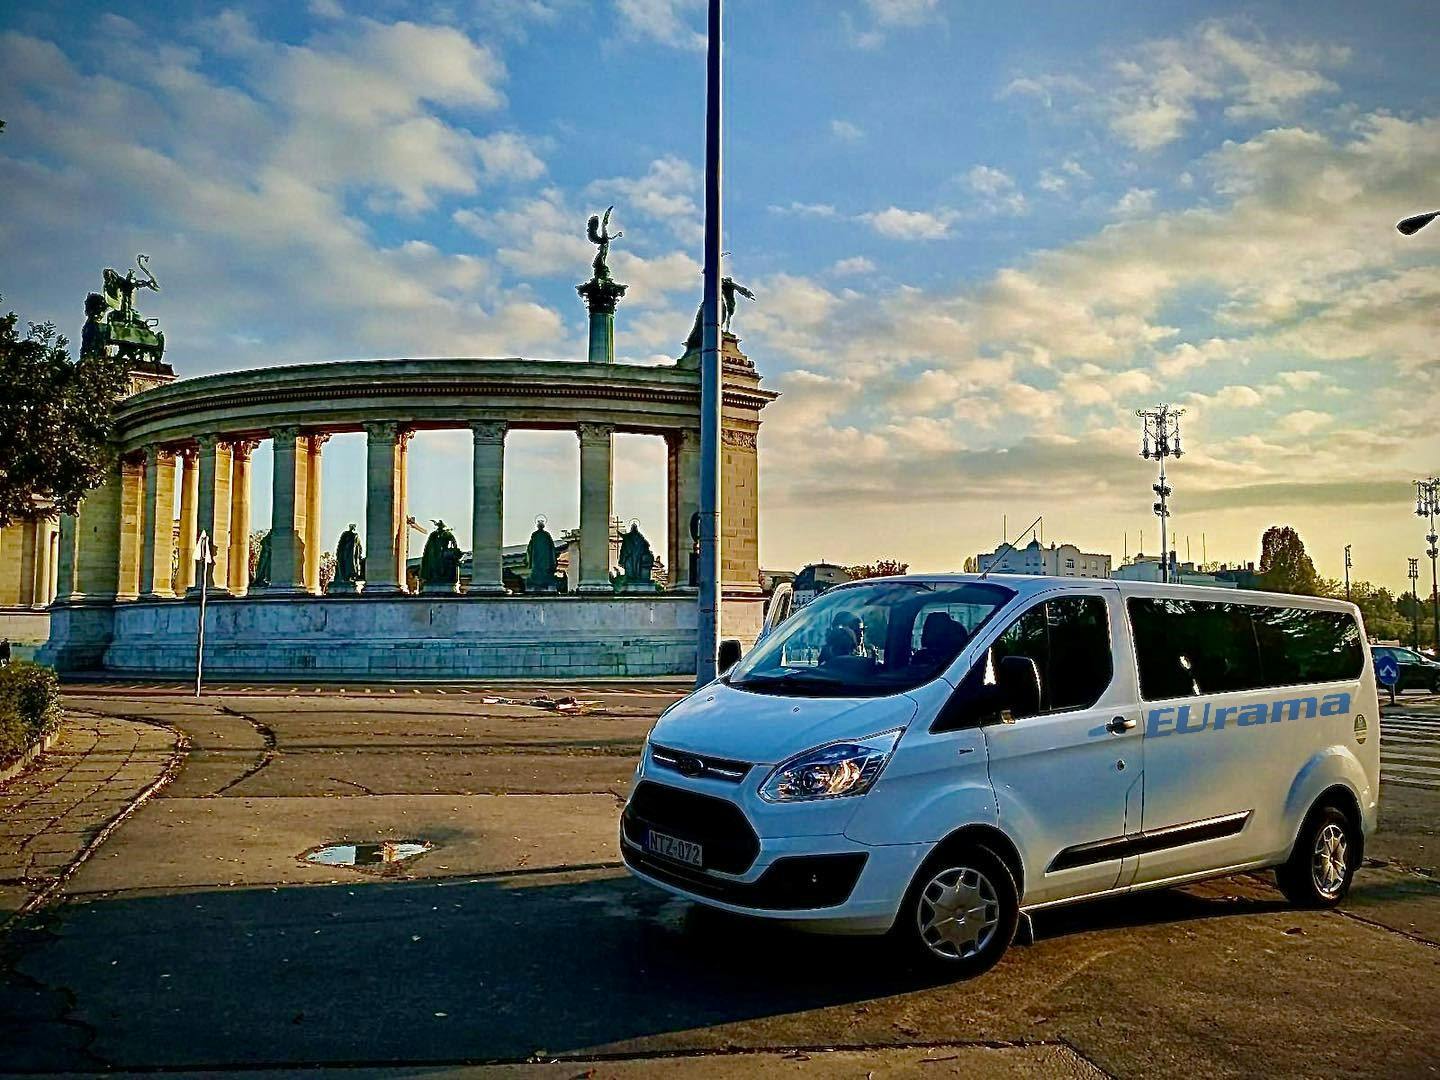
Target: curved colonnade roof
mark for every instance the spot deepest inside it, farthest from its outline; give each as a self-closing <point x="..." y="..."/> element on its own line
<point x="430" y="393"/>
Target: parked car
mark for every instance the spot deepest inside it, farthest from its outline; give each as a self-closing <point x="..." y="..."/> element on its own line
<point x="1416" y="672"/>
<point x="934" y="757"/>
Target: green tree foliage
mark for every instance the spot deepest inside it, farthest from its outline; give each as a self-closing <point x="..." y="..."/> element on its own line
<point x="55" y="417"/>
<point x="1284" y="565"/>
<point x="881" y="568"/>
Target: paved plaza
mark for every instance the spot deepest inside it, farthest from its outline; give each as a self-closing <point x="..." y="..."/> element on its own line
<point x="195" y="937"/>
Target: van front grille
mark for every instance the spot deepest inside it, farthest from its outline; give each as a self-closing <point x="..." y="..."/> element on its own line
<point x="728" y="841"/>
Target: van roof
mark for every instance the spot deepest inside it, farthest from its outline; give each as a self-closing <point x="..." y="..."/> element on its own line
<point x="1030" y="584"/>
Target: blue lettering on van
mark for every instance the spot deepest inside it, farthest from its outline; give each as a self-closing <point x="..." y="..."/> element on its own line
<point x="1192" y="717"/>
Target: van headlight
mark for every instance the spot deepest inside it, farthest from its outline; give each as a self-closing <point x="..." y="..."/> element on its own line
<point x="829" y="772"/>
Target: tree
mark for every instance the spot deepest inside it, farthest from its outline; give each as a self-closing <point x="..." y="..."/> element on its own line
<point x="327" y="569"/>
<point x="882" y="568"/>
<point x="55" y="418"/>
<point x="1284" y="565"/>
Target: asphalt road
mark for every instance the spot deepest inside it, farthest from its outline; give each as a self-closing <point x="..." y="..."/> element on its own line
<point x="197" y="939"/>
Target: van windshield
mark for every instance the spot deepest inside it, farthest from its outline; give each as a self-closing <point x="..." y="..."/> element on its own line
<point x="870" y="640"/>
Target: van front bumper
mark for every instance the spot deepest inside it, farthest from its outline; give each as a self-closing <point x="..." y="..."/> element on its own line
<point x="826" y="883"/>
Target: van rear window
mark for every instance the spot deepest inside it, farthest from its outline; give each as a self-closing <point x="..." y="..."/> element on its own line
<point x="1186" y="648"/>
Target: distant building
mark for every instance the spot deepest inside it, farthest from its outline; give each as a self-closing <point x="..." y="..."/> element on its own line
<point x="815" y="579"/>
<point x="1058" y="560"/>
<point x="1147" y="568"/>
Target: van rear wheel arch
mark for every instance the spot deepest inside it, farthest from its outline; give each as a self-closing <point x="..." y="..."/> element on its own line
<point x="1340" y="798"/>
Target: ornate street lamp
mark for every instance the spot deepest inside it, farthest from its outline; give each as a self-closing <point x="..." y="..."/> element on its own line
<point x="1415" y="606"/>
<point x="1427" y="505"/>
<point x="1160" y="439"/>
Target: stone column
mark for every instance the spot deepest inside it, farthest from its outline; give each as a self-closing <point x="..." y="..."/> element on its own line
<point x="23" y="557"/>
<point x="287" y="512"/>
<point x="213" y="513"/>
<point x="158" y="540"/>
<point x="54" y="566"/>
<point x="314" y="542"/>
<point x="97" y="539"/>
<point x="596" y="475"/>
<point x="65" y="557"/>
<point x="189" y="492"/>
<point x="684" y="500"/>
<point x="487" y="517"/>
<point x="238" y="562"/>
<point x="382" y="458"/>
<point x="402" y="509"/>
<point x="131" y="525"/>
<point x="40" y="592"/>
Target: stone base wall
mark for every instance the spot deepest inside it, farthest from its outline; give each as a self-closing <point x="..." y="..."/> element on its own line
<point x="79" y="635"/>
<point x="403" y="637"/>
<point x="24" y="626"/>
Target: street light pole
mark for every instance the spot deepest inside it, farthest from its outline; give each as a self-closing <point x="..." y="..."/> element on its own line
<point x="1427" y="505"/>
<point x="1415" y="606"/>
<point x="707" y="631"/>
<point x="1348" y="564"/>
<point x="1160" y="439"/>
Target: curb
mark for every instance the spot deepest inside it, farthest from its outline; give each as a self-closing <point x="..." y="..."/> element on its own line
<point x="27" y="758"/>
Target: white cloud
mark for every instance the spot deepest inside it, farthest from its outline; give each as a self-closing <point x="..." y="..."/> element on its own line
<point x="1135" y="202"/>
<point x="509" y="155"/>
<point x="996" y="189"/>
<point x="903" y="12"/>
<point x="804" y="209"/>
<point x="846" y="131"/>
<point x="666" y="193"/>
<point x="1151" y="94"/>
<point x="668" y="22"/>
<point x="1304" y="422"/>
<point x="899" y="224"/>
<point x="855" y="264"/>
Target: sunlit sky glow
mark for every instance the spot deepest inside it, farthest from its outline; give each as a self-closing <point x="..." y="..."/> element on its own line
<point x="982" y="235"/>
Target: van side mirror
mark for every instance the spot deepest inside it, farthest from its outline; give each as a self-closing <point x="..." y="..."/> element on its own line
<point x="1017" y="687"/>
<point x="728" y="656"/>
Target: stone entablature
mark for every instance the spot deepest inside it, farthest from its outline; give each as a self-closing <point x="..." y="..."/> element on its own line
<point x="198" y="434"/>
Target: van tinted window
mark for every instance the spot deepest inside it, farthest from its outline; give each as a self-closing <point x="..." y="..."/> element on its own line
<point x="1186" y="648"/>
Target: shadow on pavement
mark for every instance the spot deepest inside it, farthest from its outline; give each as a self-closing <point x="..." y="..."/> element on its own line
<point x="438" y="971"/>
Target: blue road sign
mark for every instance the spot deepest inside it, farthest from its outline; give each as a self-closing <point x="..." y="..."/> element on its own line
<point x="1387" y="670"/>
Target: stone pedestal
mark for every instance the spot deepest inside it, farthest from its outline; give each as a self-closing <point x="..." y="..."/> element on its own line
<point x="343" y="588"/>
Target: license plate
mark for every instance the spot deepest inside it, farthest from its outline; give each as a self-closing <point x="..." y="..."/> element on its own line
<point x="670" y="847"/>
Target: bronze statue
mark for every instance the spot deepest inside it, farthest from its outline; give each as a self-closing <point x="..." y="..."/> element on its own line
<point x="349" y="557"/>
<point x="636" y="559"/>
<point x="113" y="323"/>
<point x="440" y="562"/>
<point x="600" y="235"/>
<point x="261" y="577"/>
<point x="543" y="559"/>
<point x="729" y="287"/>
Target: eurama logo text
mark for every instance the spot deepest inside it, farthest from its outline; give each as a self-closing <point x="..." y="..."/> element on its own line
<point x="1187" y="719"/>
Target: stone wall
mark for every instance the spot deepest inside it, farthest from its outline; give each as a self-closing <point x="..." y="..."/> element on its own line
<point x="408" y="637"/>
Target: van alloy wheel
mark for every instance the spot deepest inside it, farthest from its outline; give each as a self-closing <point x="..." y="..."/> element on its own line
<point x="1329" y="862"/>
<point x="958" y="913"/>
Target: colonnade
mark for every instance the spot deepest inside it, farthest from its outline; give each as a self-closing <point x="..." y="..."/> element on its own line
<point x="29" y="563"/>
<point x="213" y="476"/>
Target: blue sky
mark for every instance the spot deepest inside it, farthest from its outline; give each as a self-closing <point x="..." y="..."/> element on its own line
<point x="982" y="235"/>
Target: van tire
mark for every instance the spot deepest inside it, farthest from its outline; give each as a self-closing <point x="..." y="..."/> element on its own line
<point x="930" y="941"/>
<point x="1323" y="861"/>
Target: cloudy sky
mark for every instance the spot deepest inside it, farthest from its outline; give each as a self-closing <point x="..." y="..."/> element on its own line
<point x="982" y="235"/>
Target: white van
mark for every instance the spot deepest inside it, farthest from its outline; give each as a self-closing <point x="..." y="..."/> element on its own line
<point x="933" y="756"/>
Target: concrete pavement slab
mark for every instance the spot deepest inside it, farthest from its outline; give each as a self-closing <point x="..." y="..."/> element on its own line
<point x="189" y="843"/>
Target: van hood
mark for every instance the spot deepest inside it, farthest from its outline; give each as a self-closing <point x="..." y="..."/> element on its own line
<point x="765" y="729"/>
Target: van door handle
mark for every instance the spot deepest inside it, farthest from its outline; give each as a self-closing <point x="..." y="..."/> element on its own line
<point x="1121" y="724"/>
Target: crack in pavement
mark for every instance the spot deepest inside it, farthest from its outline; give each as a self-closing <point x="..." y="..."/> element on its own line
<point x="270" y="752"/>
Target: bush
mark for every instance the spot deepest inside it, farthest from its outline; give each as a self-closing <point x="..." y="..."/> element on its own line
<point x="29" y="707"/>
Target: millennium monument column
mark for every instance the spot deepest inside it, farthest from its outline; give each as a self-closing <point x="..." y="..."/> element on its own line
<point x="313" y="541"/>
<point x="287" y="513"/>
<point x="601" y="293"/>
<point x="488" y="509"/>
<point x="189" y="491"/>
<point x="158" y="548"/>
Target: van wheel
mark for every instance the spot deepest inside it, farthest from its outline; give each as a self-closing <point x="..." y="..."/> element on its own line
<point x="1323" y="862"/>
<point x="960" y="913"/>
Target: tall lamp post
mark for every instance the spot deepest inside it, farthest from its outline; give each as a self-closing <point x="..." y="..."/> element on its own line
<point x="1427" y="505"/>
<point x="1415" y="607"/>
<point x="707" y="635"/>
<point x="1160" y="439"/>
<point x="1348" y="564"/>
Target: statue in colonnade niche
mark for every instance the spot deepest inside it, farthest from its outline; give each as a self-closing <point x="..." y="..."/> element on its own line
<point x="543" y="559"/>
<point x="349" y="562"/>
<point x="261" y="577"/>
<point x="637" y="561"/>
<point x="440" y="562"/>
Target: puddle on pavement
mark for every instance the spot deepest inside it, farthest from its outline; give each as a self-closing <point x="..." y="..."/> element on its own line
<point x="377" y="856"/>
